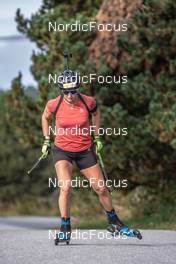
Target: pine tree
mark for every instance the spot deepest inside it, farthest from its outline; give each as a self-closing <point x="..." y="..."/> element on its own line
<point x="145" y="105"/>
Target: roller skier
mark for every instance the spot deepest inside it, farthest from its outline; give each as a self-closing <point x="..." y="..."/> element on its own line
<point x="71" y="109"/>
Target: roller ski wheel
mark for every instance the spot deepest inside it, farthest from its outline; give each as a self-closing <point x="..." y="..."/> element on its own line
<point x="137" y="234"/>
<point x="62" y="238"/>
<point x="124" y="231"/>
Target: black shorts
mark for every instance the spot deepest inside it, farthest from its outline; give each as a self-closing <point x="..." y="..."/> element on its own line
<point x="83" y="159"/>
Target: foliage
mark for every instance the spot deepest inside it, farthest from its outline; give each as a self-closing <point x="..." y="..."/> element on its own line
<point x="146" y="105"/>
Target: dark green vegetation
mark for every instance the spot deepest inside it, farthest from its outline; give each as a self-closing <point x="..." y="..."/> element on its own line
<point x="146" y="105"/>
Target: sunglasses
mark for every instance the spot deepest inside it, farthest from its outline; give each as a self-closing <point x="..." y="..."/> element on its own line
<point x="66" y="92"/>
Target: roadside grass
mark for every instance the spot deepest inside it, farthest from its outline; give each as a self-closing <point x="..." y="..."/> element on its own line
<point x="87" y="213"/>
<point x="139" y="223"/>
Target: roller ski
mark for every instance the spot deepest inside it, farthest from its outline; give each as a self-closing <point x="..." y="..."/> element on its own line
<point x="118" y="228"/>
<point x="64" y="234"/>
<point x="124" y="231"/>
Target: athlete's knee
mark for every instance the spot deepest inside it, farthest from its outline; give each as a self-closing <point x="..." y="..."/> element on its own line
<point x="101" y="190"/>
<point x="65" y="189"/>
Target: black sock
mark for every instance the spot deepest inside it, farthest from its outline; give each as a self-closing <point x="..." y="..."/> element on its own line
<point x="113" y="218"/>
<point x="111" y="213"/>
<point x="65" y="221"/>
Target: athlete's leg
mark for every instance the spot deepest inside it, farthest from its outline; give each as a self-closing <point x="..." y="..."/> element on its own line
<point x="94" y="175"/>
<point x="64" y="175"/>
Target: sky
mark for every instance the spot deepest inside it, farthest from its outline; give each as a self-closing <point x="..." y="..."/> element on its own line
<point x="15" y="54"/>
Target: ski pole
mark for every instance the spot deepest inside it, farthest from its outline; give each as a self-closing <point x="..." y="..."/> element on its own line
<point x="36" y="164"/>
<point x="110" y="189"/>
<point x="66" y="58"/>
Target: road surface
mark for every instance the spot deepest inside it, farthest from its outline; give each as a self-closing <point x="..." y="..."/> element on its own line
<point x="29" y="240"/>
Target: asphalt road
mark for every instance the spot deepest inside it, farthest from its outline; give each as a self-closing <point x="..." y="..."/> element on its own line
<point x="30" y="240"/>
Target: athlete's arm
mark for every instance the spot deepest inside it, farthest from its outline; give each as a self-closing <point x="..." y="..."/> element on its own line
<point x="96" y="122"/>
<point x="46" y="119"/>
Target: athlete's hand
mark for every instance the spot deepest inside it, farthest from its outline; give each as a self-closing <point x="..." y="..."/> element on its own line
<point x="46" y="147"/>
<point x="98" y="143"/>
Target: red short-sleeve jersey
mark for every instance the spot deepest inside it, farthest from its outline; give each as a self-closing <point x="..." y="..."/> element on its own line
<point x="72" y="124"/>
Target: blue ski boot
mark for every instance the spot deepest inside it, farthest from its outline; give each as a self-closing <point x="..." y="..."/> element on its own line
<point x="117" y="227"/>
<point x="64" y="233"/>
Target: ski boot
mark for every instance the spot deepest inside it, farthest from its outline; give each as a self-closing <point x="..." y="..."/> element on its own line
<point x="64" y="233"/>
<point x="117" y="227"/>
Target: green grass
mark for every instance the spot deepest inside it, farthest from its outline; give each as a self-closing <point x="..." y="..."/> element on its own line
<point x="140" y="223"/>
<point x="153" y="222"/>
<point x="87" y="214"/>
<point x="164" y="217"/>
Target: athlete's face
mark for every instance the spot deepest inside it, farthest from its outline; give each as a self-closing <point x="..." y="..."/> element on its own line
<point x="70" y="97"/>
